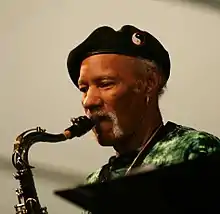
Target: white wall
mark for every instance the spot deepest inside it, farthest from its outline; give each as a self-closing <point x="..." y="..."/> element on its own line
<point x="36" y="37"/>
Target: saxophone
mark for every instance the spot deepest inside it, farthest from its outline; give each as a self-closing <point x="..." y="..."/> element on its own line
<point x="28" y="201"/>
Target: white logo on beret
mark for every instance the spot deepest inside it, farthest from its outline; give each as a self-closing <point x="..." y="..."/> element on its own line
<point x="138" y="38"/>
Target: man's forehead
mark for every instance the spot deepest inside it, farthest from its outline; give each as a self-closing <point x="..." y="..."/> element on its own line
<point x="107" y="60"/>
<point x="106" y="66"/>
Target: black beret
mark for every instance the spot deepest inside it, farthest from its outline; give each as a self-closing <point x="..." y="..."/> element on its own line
<point x="129" y="41"/>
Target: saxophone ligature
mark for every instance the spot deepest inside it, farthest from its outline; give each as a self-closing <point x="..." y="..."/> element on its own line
<point x="28" y="201"/>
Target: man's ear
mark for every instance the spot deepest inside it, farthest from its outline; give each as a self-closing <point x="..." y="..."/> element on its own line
<point x="153" y="83"/>
<point x="140" y="86"/>
<point x="149" y="83"/>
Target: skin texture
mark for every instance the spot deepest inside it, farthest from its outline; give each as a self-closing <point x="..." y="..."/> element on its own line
<point x="121" y="98"/>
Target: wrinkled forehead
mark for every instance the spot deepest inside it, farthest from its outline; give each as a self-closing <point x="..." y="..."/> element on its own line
<point x="109" y="60"/>
<point x="107" y="64"/>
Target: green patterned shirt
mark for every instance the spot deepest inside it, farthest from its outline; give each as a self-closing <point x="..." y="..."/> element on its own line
<point x="179" y="144"/>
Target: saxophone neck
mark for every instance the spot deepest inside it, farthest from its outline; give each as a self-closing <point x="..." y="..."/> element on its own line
<point x="79" y="127"/>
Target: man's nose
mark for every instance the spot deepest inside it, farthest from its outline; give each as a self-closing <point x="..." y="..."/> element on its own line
<point x="92" y="99"/>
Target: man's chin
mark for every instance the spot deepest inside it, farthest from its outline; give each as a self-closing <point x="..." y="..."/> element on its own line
<point x="104" y="135"/>
<point x="107" y="140"/>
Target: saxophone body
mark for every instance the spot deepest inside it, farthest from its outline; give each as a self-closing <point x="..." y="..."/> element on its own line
<point x="28" y="201"/>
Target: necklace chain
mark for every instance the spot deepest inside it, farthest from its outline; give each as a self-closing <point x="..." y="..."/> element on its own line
<point x="143" y="148"/>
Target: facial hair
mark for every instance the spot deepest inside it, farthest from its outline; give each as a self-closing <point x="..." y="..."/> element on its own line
<point x="116" y="128"/>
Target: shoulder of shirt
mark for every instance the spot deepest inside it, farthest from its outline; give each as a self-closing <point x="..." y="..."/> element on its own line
<point x="197" y="140"/>
<point x="194" y="134"/>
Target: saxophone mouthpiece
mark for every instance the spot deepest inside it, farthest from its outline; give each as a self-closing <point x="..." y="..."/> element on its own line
<point x="81" y="125"/>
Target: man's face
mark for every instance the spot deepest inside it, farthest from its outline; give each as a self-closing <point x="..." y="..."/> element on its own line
<point x="110" y="96"/>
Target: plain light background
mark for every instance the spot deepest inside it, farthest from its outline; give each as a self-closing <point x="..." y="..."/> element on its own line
<point x="35" y="89"/>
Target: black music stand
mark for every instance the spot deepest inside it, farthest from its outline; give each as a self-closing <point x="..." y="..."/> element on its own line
<point x="190" y="187"/>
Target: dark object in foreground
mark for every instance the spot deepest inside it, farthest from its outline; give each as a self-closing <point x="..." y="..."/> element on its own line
<point x="190" y="187"/>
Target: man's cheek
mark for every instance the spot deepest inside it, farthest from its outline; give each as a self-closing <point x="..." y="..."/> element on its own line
<point x="129" y="102"/>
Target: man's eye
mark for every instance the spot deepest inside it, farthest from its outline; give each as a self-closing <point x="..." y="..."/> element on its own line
<point x="106" y="84"/>
<point x="83" y="89"/>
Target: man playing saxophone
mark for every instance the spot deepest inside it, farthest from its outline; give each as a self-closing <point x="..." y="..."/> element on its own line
<point x="122" y="75"/>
